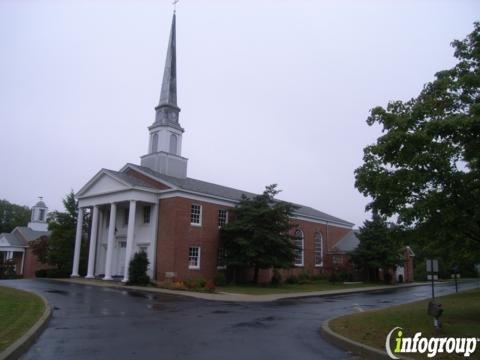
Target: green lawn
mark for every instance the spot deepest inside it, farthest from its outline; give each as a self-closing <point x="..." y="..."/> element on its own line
<point x="318" y="285"/>
<point x="19" y="310"/>
<point x="461" y="318"/>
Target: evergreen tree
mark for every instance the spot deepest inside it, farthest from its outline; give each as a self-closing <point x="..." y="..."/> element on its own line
<point x="137" y="269"/>
<point x="258" y="235"/>
<point x="379" y="248"/>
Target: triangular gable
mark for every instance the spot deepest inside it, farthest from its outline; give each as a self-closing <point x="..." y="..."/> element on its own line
<point x="102" y="183"/>
<point x="134" y="171"/>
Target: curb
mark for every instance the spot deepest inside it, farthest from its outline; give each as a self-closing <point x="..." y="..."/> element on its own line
<point x="355" y="347"/>
<point x="15" y="350"/>
<point x="233" y="297"/>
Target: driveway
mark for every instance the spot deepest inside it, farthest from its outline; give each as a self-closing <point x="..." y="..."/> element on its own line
<point x="92" y="322"/>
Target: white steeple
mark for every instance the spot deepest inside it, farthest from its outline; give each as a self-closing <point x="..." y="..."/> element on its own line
<point x="165" y="145"/>
<point x="38" y="221"/>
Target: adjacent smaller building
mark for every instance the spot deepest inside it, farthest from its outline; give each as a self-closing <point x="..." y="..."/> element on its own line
<point x="15" y="246"/>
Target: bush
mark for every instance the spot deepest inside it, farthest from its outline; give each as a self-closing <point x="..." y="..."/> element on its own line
<point x="292" y="280"/>
<point x="42" y="273"/>
<point x="137" y="269"/>
<point x="220" y="279"/>
<point x="333" y="277"/>
<point x="303" y="278"/>
<point x="276" y="278"/>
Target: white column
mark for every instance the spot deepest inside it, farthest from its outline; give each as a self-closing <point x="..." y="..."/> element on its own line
<point x="23" y="260"/>
<point x="130" y="237"/>
<point x="153" y="259"/>
<point x="78" y="240"/>
<point x="93" y="244"/>
<point x="111" y="236"/>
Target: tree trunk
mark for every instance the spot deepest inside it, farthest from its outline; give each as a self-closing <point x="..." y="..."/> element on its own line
<point x="255" y="275"/>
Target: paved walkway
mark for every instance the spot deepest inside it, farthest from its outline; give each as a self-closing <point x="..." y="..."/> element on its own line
<point x="222" y="296"/>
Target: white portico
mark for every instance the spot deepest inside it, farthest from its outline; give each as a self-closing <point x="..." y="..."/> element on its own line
<point x="124" y="220"/>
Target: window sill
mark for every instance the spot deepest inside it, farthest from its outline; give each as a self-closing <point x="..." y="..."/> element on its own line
<point x="196" y="225"/>
<point x="298" y="265"/>
<point x="194" y="268"/>
<point x="319" y="265"/>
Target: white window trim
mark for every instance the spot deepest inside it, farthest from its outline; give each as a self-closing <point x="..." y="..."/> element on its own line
<point x="315" y="250"/>
<point x="195" y="267"/>
<point x="200" y="216"/>
<point x="226" y="217"/>
<point x="302" y="264"/>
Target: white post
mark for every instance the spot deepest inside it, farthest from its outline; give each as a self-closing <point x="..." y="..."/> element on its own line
<point x="23" y="260"/>
<point x="154" y="222"/>
<point x="111" y="235"/>
<point x="78" y="240"/>
<point x="93" y="244"/>
<point x="130" y="237"/>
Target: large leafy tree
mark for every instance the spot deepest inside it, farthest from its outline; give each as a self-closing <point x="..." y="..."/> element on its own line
<point x="379" y="248"/>
<point x="57" y="250"/>
<point x="12" y="215"/>
<point x="425" y="168"/>
<point x="259" y="234"/>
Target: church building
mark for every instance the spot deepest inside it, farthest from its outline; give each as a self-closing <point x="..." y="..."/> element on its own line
<point x="15" y="247"/>
<point x="155" y="207"/>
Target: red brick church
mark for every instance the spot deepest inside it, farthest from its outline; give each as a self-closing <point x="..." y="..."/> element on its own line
<point x="155" y="207"/>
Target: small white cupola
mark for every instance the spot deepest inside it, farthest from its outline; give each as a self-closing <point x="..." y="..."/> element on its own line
<point x="38" y="221"/>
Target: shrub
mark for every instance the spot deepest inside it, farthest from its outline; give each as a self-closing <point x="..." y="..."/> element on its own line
<point x="303" y="278"/>
<point x="200" y="283"/>
<point x="292" y="280"/>
<point x="276" y="278"/>
<point x="42" y="273"/>
<point x="333" y="277"/>
<point x="220" y="279"/>
<point x="137" y="269"/>
<point x="210" y="286"/>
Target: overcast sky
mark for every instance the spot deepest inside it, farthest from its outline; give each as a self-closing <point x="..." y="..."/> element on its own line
<point x="270" y="91"/>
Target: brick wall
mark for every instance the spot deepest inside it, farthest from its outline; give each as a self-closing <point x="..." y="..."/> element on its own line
<point x="176" y="235"/>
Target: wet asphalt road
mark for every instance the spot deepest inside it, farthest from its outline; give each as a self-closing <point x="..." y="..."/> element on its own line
<point x="101" y="323"/>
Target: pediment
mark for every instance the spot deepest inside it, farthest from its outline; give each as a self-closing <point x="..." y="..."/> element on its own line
<point x="103" y="183"/>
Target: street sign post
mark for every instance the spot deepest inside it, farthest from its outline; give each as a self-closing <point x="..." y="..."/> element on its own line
<point x="432" y="268"/>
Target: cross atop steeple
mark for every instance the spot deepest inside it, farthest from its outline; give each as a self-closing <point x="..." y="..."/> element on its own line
<point x="167" y="110"/>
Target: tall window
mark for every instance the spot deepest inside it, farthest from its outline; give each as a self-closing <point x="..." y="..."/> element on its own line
<point x="154" y="143"/>
<point x="125" y="216"/>
<point x="222" y="217"/>
<point x="299" y="248"/>
<point x="196" y="215"/>
<point x="173" y="144"/>
<point x="42" y="215"/>
<point x="318" y="249"/>
<point x="146" y="214"/>
<point x="194" y="257"/>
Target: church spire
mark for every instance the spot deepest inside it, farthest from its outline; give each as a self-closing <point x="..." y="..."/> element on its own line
<point x="167" y="110"/>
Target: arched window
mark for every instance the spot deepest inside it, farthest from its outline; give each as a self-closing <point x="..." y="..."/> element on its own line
<point x="173" y="144"/>
<point x="299" y="247"/>
<point x="318" y="249"/>
<point x="154" y="143"/>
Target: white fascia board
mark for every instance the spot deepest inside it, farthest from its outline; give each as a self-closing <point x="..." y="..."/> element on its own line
<point x="320" y="221"/>
<point x="198" y="197"/>
<point x="119" y="196"/>
<point x="13" y="248"/>
<point x="135" y="168"/>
